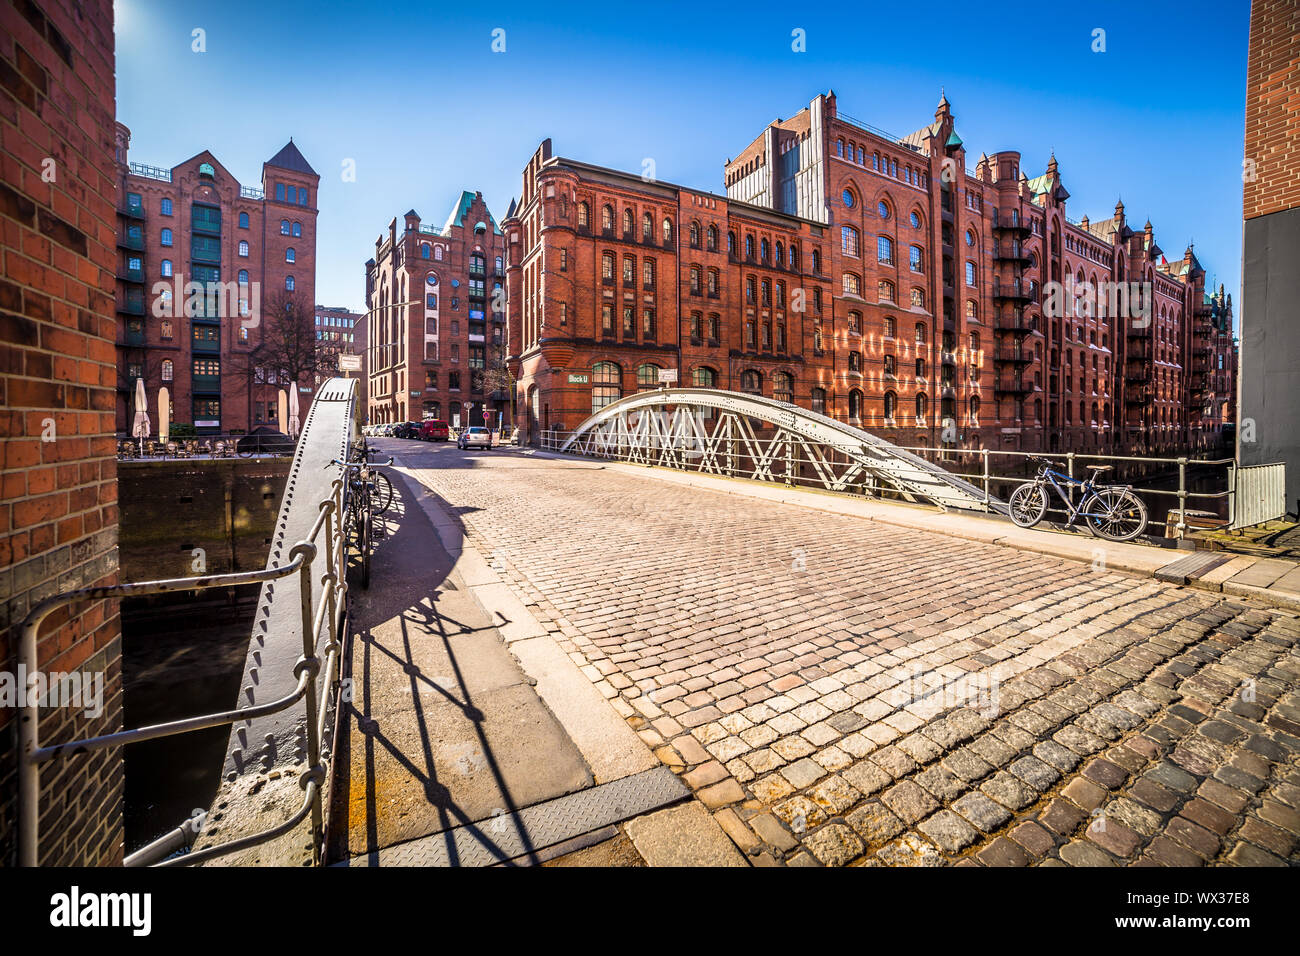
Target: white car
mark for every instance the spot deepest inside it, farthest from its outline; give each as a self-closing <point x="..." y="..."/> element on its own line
<point x="476" y="436"/>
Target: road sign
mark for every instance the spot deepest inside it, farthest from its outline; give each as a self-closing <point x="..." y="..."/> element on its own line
<point x="349" y="363"/>
<point x="667" y="376"/>
<point x="487" y="415"/>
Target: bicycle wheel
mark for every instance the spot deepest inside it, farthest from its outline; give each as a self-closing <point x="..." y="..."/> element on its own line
<point x="1028" y="504"/>
<point x="1115" y="514"/>
<point x="365" y="550"/>
<point x="382" y="494"/>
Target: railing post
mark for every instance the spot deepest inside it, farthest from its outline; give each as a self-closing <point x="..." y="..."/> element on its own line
<point x="1180" y="528"/>
<point x="984" y="452"/>
<point x="1069" y="470"/>
<point x="308" y="552"/>
<point x="789" y="460"/>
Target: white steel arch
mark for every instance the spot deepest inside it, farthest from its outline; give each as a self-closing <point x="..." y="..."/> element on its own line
<point x="727" y="433"/>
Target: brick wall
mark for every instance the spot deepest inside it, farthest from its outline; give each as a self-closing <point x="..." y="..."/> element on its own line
<point x="58" y="499"/>
<point x="1273" y="107"/>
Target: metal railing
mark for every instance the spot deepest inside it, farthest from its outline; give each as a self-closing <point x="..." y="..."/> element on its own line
<point x="1261" y="494"/>
<point x="204" y="447"/>
<point x="326" y="619"/>
<point x="971" y="465"/>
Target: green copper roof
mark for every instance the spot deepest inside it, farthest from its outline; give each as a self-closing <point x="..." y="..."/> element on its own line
<point x="954" y="139"/>
<point x="457" y="217"/>
<point x="1039" y="184"/>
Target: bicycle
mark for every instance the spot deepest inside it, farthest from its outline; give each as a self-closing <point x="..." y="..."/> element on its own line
<point x="1112" y="512"/>
<point x="383" y="487"/>
<point x="359" y="507"/>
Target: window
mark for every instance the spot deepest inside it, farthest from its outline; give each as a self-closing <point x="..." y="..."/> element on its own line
<point x="918" y="298"/>
<point x="607" y="218"/>
<point x="584" y="215"/>
<point x="284" y="227"/>
<point x="607" y="319"/>
<point x="243" y="277"/>
<point x="629" y="322"/>
<point x="297" y="229"/>
<point x="564" y="260"/>
<point x="816" y="261"/>
<point x="648" y="323"/>
<point x="648" y="273"/>
<point x="916" y="259"/>
<point x="883" y="209"/>
<point x="849" y="241"/>
<point x="695" y="280"/>
<point x="847" y="196"/>
<point x="713" y="239"/>
<point x="165" y="237"/>
<point x="243" y="248"/>
<point x="890" y="326"/>
<point x="165" y="206"/>
<point x="855" y="322"/>
<point x="165" y="330"/>
<point x="279" y="192"/>
<point x="783" y="387"/>
<point x="290" y="255"/>
<point x="627" y="222"/>
<point x="606" y="385"/>
<point x="647" y="227"/>
<point x="629" y="270"/>
<point x="288" y="283"/>
<point x="972" y="309"/>
<point x="920" y="333"/>
<point x="668" y="230"/>
<point x="166" y="268"/>
<point x="607" y="266"/>
<point x="916" y="220"/>
<point x="855" y="405"/>
<point x="713" y="282"/>
<point x="437" y="253"/>
<point x="885" y="250"/>
<point x="891" y="366"/>
<point x="302" y="195"/>
<point x="751" y="382"/>
<point x="168" y="370"/>
<point x="819" y="401"/>
<point x="885" y="290"/>
<point x="713" y="328"/>
<point x="764" y="249"/>
<point x="920" y="408"/>
<point x="920" y="368"/>
<point x="970" y="237"/>
<point x="749" y="247"/>
<point x="704" y="377"/>
<point x="852" y="284"/>
<point x="694" y="235"/>
<point x="855" y="361"/>
<point x="891" y="406"/>
<point x="647" y="376"/>
<point x="424" y="250"/>
<point x="243" y="220"/>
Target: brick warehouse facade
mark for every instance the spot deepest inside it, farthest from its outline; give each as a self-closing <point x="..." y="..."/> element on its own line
<point x="58" y="490"/>
<point x="924" y="295"/>
<point x="196" y="222"/>
<point x="436" y="319"/>
<point x="1270" y="353"/>
<point x="339" y="331"/>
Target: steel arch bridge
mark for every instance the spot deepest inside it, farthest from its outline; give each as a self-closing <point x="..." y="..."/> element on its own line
<point x="736" y="434"/>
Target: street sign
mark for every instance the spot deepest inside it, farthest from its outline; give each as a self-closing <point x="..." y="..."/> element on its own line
<point x="667" y="376"/>
<point x="349" y="363"/>
<point x="577" y="379"/>
<point x="487" y="415"/>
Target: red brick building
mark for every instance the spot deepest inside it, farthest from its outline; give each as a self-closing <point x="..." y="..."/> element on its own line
<point x="437" y="318"/>
<point x="58" y="470"/>
<point x="251" y="249"/>
<point x="339" y="331"/>
<point x="876" y="278"/>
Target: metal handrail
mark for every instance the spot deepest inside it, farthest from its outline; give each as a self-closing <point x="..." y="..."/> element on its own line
<point x="307" y="668"/>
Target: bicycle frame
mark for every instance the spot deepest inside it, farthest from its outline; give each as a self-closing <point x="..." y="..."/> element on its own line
<point x="1086" y="487"/>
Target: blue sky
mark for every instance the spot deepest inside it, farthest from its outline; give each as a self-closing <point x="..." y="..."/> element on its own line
<point x="413" y="93"/>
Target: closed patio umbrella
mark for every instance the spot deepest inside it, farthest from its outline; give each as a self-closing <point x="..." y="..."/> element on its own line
<point x="164" y="414"/>
<point x="293" y="411"/>
<point x="140" y="427"/>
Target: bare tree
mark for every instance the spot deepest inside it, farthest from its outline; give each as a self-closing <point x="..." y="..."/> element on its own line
<point x="287" y="350"/>
<point x="497" y="376"/>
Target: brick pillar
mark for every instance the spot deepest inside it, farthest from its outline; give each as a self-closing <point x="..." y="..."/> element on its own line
<point x="58" y="477"/>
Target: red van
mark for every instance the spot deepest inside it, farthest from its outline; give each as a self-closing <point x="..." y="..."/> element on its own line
<point x="433" y="429"/>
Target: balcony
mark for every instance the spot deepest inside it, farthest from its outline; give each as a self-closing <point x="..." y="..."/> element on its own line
<point x="1014" y="321"/>
<point x="1016" y="290"/>
<point x="1010" y="251"/>
<point x="128" y="274"/>
<point x="1141" y="350"/>
<point x="1136" y="395"/>
<point x="133" y="337"/>
<point x="1011" y="222"/>
<point x="1012" y="385"/>
<point x="127" y="241"/>
<point x="206" y="384"/>
<point x="132" y="305"/>
<point x="1013" y="355"/>
<point x="132" y="210"/>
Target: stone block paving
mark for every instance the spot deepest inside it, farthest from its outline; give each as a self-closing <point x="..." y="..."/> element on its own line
<point x="840" y="692"/>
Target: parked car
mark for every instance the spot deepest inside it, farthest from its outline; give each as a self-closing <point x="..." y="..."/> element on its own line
<point x="433" y="429"/>
<point x="477" y="436"/>
<point x="406" y="430"/>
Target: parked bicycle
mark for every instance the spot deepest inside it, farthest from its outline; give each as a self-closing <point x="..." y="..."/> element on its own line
<point x="1112" y="512"/>
<point x="362" y="500"/>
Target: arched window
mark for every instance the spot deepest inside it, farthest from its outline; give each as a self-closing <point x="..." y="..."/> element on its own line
<point x="297" y="229"/>
<point x="713" y="282"/>
<point x="607" y="266"/>
<point x="243" y="277"/>
<point x="974" y="344"/>
<point x="783" y="387"/>
<point x="694" y="234"/>
<point x="606" y="384"/>
<point x="243" y="248"/>
<point x="695" y="280"/>
<point x="584" y="215"/>
<point x="855" y="361"/>
<point x="168" y="370"/>
<point x="764" y="250"/>
<point x="437" y="253"/>
<point x="891" y="406"/>
<point x="816" y="261"/>
<point x="284" y="227"/>
<point x="713" y="239"/>
<point x="668" y="230"/>
<point x="855" y="405"/>
<point x="627" y="222"/>
<point x="920" y="333"/>
<point x="751" y="382"/>
<point x="883" y="209"/>
<point x="607" y="218"/>
<point x="819" y="401"/>
<point x="704" y="377"/>
<point x="974" y="409"/>
<point x="848" y="198"/>
<point x="885" y="290"/>
<point x="165" y="237"/>
<point x="920" y="407"/>
<point x="780" y="253"/>
<point x="425" y="252"/>
<point x="288" y="283"/>
<point x="166" y="330"/>
<point x="647" y="376"/>
<point x="749" y="247"/>
<point x="243" y="220"/>
<point x="166" y="270"/>
<point x="916" y="219"/>
<point x="731" y="243"/>
<point x="849" y="241"/>
<point x="647" y="227"/>
<point x="852" y="284"/>
<point x="794" y="257"/>
<point x="885" y="250"/>
<point x="290" y="255"/>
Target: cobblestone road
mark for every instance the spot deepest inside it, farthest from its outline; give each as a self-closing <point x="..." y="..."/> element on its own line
<point x="838" y="692"/>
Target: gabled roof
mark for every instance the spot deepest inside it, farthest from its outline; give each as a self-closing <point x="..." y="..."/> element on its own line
<point x="461" y="209"/>
<point x="918" y="139"/>
<point x="289" y="158"/>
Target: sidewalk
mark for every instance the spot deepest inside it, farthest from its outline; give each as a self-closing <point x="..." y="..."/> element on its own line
<point x="1273" y="581"/>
